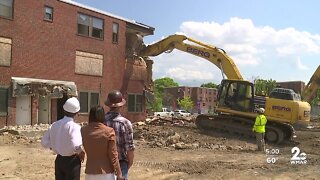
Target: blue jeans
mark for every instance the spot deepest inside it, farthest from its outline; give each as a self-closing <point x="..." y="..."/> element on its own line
<point x="124" y="168"/>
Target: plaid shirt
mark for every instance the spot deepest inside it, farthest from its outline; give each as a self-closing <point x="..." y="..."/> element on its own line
<point x="124" y="133"/>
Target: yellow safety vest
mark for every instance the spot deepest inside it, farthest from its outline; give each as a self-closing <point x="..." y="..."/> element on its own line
<point x="260" y="124"/>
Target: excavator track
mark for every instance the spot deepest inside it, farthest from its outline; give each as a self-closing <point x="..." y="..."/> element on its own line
<point x="275" y="132"/>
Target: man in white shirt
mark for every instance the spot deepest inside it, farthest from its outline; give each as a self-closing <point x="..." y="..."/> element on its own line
<point x="64" y="138"/>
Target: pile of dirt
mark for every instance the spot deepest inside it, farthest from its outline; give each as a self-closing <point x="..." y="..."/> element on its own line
<point x="22" y="135"/>
<point x="186" y="136"/>
<point x="158" y="133"/>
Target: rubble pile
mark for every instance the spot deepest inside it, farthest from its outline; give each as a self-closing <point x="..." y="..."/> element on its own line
<point x="179" y="137"/>
<point x="155" y="133"/>
<point x="26" y="130"/>
<point x="186" y="121"/>
<point x="24" y="134"/>
<point x="27" y="127"/>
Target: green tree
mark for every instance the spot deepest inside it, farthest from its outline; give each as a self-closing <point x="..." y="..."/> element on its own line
<point x="156" y="104"/>
<point x="209" y="85"/>
<point x="315" y="101"/>
<point x="160" y="84"/>
<point x="264" y="87"/>
<point x="271" y="84"/>
<point x="186" y="103"/>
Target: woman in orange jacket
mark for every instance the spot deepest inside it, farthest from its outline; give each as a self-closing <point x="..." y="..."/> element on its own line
<point x="99" y="142"/>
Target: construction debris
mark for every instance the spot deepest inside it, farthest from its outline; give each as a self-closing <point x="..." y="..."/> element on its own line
<point x="160" y="132"/>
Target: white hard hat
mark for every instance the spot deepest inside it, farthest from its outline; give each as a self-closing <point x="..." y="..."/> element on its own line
<point x="261" y="110"/>
<point x="72" y="105"/>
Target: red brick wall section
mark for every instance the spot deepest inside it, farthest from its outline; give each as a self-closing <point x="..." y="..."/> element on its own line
<point x="3" y="121"/>
<point x="12" y="112"/>
<point x="136" y="87"/>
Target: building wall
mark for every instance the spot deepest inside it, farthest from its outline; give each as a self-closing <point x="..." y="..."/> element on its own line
<point x="204" y="99"/>
<point x="297" y="86"/>
<point x="47" y="50"/>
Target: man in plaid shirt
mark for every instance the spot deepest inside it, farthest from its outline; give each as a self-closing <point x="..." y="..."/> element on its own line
<point x="123" y="130"/>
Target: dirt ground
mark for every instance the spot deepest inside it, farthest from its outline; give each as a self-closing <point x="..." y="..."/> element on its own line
<point x="177" y="152"/>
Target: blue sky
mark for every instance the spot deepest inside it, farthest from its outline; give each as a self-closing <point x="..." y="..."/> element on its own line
<point x="268" y="39"/>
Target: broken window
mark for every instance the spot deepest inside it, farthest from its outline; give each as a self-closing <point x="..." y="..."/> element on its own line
<point x="115" y="32"/>
<point x="135" y="102"/>
<point x="88" y="100"/>
<point x="5" y="51"/>
<point x="90" y="26"/>
<point x="48" y="13"/>
<point x="6" y="8"/>
<point x="83" y="24"/>
<point x="3" y="101"/>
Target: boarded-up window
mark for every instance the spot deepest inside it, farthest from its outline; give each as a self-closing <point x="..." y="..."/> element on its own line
<point x="5" y="51"/>
<point x="89" y="63"/>
<point x="135" y="102"/>
<point x="6" y="8"/>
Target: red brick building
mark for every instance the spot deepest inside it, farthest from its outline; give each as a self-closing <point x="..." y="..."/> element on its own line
<point x="297" y="86"/>
<point x="204" y="99"/>
<point x="52" y="49"/>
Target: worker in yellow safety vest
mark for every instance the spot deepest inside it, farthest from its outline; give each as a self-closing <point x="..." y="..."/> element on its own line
<point x="259" y="128"/>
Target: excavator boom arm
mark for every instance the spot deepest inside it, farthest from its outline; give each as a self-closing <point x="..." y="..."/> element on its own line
<point x="213" y="54"/>
<point x="312" y="86"/>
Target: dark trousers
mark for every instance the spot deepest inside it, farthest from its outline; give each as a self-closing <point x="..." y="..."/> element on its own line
<point x="67" y="167"/>
<point x="124" y="168"/>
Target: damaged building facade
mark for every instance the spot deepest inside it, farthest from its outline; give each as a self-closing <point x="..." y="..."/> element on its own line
<point x="54" y="49"/>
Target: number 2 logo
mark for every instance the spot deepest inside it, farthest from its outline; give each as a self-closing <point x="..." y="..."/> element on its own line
<point x="295" y="151"/>
<point x="297" y="156"/>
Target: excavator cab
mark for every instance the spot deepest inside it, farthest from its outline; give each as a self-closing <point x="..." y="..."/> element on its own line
<point x="236" y="95"/>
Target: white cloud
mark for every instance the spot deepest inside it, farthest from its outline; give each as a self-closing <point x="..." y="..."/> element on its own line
<point x="247" y="44"/>
<point x="241" y="36"/>
<point x="184" y="68"/>
<point x="300" y="65"/>
<point x="183" y="74"/>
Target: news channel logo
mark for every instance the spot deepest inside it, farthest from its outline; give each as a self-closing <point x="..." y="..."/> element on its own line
<point x="298" y="157"/>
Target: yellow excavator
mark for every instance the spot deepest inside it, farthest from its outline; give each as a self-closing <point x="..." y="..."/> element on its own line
<point x="237" y="102"/>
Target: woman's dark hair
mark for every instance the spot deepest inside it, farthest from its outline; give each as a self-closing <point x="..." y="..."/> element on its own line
<point x="96" y="114"/>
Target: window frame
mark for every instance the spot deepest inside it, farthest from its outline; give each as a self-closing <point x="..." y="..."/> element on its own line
<point x="12" y="12"/>
<point x="115" y="35"/>
<point x="45" y="13"/>
<point x="5" y="113"/>
<point x="89" y="99"/>
<point x="90" y="26"/>
<point x="135" y="103"/>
